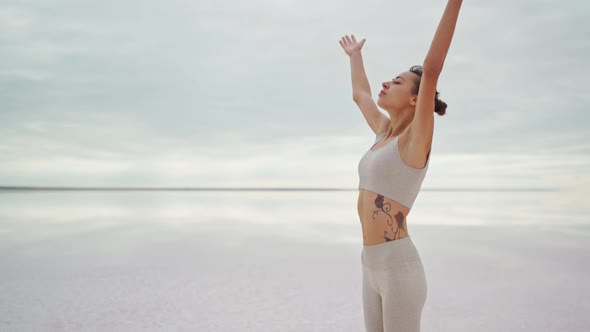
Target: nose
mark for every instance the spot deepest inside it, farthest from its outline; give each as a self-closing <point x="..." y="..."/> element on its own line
<point x="385" y="84"/>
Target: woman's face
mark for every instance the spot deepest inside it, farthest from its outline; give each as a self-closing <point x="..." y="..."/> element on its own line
<point x="397" y="93"/>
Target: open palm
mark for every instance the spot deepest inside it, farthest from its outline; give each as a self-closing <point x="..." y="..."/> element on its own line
<point x="350" y="45"/>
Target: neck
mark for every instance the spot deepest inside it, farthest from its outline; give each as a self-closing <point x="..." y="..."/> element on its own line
<point x="399" y="122"/>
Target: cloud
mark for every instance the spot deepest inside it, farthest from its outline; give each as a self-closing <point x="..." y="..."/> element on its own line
<point x="195" y="92"/>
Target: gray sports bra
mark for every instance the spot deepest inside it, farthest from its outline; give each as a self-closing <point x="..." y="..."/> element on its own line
<point x="384" y="172"/>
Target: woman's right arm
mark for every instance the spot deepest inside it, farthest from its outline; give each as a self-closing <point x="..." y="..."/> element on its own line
<point x="360" y="83"/>
<point x="361" y="90"/>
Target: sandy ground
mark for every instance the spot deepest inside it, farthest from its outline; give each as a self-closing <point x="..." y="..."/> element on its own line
<point x="205" y="277"/>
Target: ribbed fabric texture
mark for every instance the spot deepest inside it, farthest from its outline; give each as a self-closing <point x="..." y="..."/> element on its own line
<point x="384" y="172"/>
<point x="394" y="286"/>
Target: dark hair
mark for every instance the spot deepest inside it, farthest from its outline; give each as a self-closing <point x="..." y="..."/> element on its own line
<point x="440" y="107"/>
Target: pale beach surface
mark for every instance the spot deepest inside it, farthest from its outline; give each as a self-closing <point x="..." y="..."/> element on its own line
<point x="146" y="268"/>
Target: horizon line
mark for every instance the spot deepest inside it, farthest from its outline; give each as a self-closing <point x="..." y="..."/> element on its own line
<point x="135" y="188"/>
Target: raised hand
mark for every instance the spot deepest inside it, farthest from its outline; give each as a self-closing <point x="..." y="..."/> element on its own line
<point x="350" y="45"/>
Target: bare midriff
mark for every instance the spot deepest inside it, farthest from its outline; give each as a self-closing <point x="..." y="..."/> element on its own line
<point x="382" y="219"/>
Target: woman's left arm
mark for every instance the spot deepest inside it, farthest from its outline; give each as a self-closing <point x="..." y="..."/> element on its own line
<point x="433" y="63"/>
<point x="423" y="123"/>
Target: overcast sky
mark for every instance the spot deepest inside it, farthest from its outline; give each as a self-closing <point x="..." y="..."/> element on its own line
<point x="258" y="93"/>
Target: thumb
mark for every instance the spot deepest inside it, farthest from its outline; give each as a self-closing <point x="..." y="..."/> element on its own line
<point x="362" y="42"/>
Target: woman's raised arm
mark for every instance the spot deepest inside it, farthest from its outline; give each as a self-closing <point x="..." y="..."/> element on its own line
<point x="423" y="123"/>
<point x="434" y="61"/>
<point x="361" y="90"/>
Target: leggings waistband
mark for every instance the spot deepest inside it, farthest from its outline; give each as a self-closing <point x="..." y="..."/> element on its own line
<point x="391" y="253"/>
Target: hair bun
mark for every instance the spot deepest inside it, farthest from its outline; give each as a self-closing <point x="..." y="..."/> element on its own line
<point x="440" y="106"/>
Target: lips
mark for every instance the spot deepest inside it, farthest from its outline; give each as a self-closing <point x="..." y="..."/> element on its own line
<point x="382" y="92"/>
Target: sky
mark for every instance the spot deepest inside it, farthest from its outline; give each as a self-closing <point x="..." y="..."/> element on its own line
<point x="258" y="93"/>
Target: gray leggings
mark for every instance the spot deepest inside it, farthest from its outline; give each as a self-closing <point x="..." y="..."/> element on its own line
<point x="394" y="286"/>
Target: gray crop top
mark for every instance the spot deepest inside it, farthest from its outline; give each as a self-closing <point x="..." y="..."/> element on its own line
<point x="384" y="172"/>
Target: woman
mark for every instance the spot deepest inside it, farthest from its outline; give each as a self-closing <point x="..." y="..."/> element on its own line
<point x="391" y="174"/>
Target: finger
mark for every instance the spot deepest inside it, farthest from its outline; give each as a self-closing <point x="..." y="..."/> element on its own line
<point x="348" y="39"/>
<point x="353" y="39"/>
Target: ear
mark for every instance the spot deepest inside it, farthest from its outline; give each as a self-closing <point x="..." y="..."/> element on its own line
<point x="414" y="100"/>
